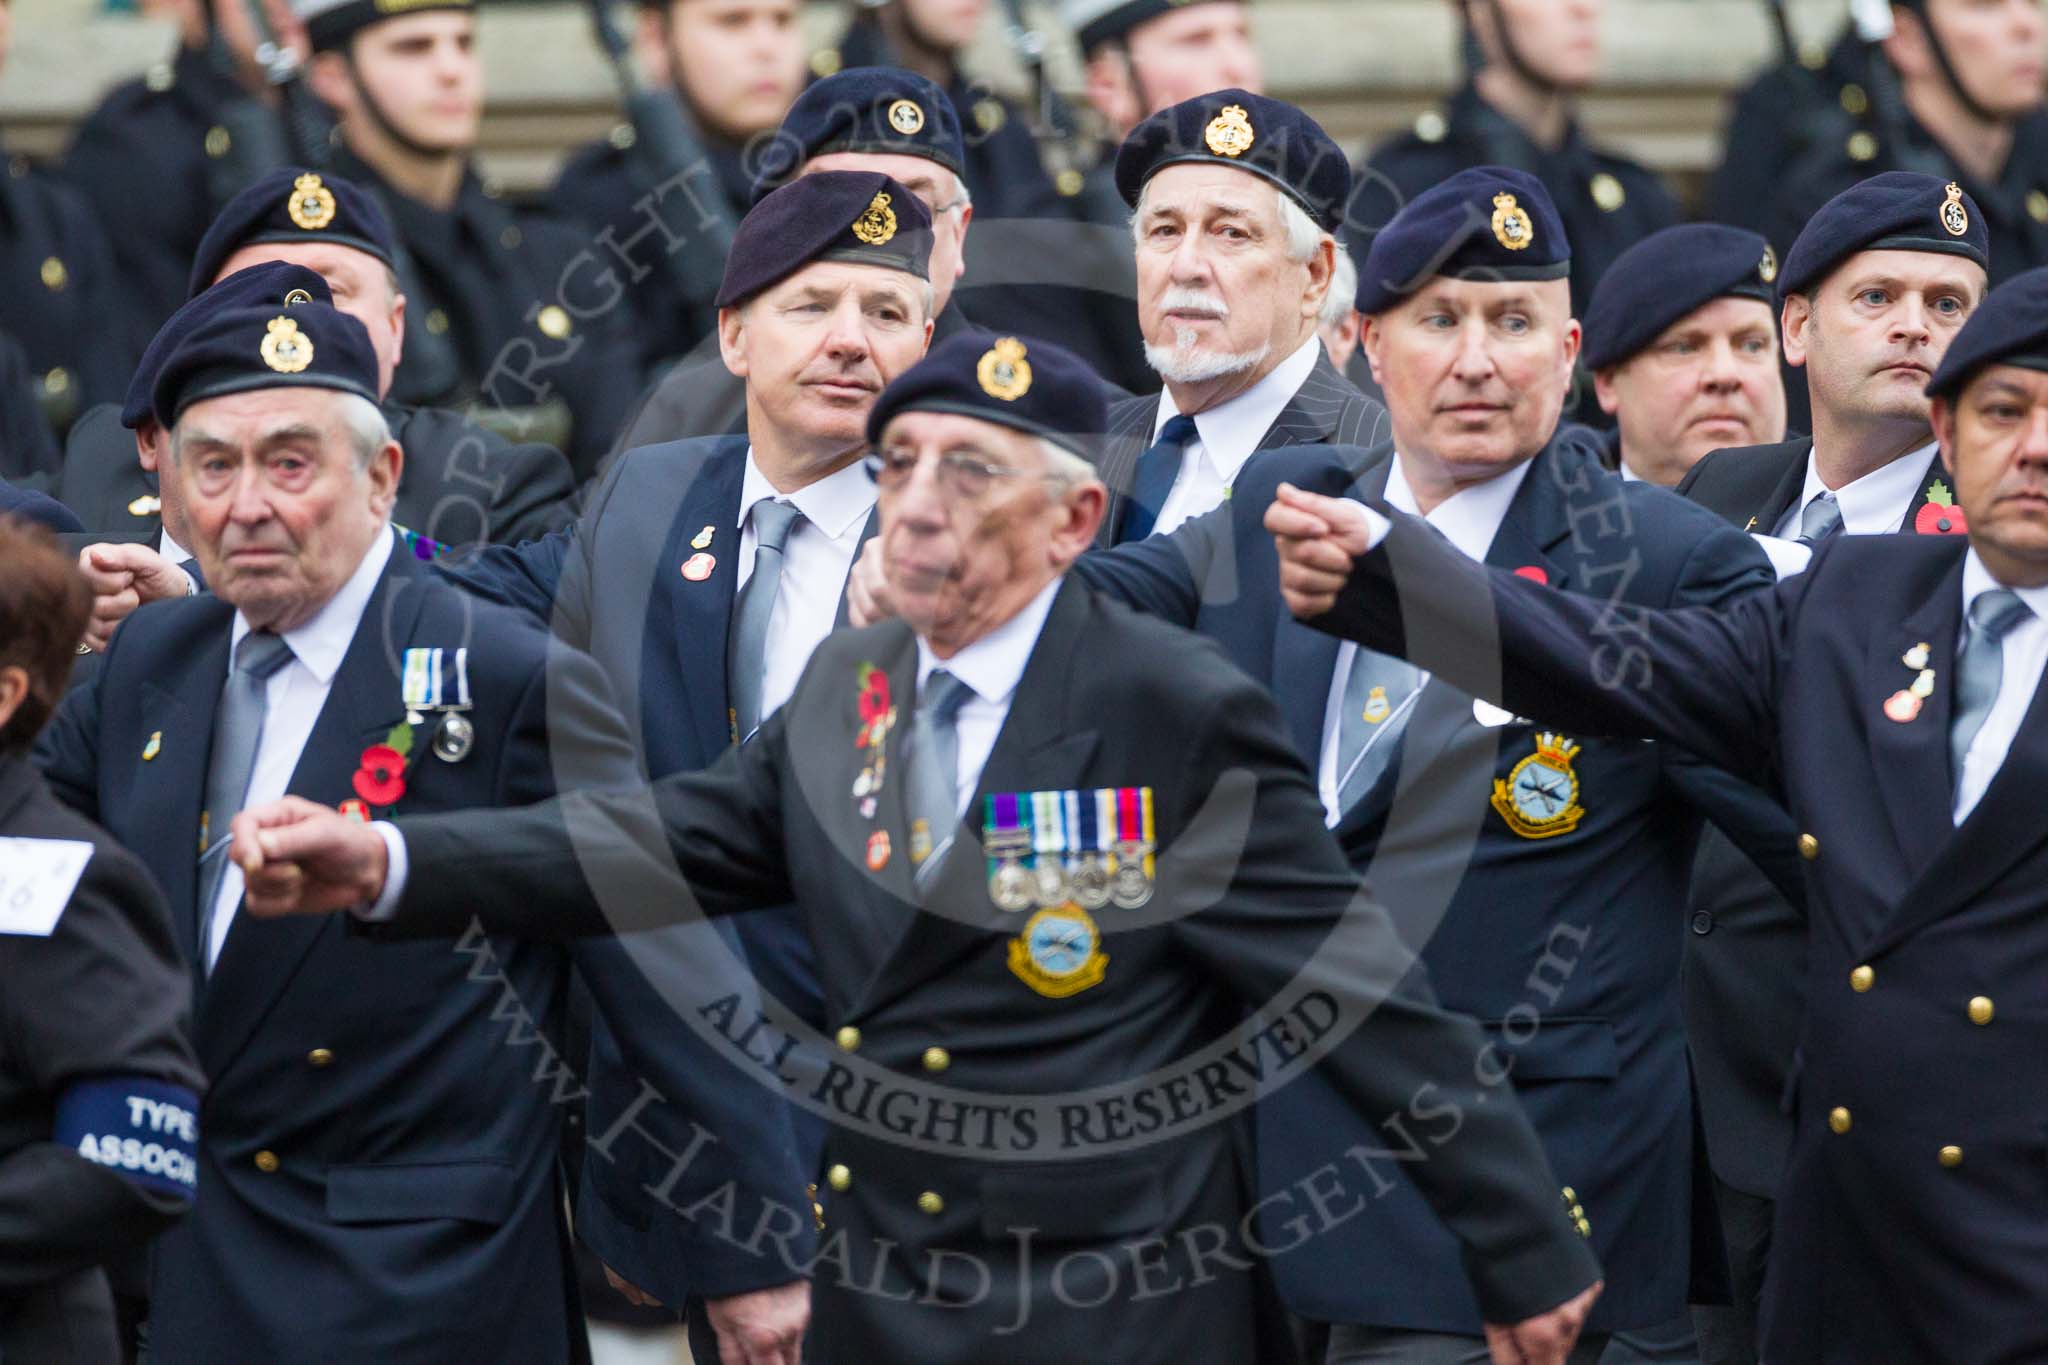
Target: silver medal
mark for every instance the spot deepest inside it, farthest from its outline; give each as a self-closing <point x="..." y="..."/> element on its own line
<point x="453" y="738"/>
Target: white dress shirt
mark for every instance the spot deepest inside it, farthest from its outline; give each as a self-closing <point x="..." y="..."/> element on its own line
<point x="1226" y="436"/>
<point x="991" y="667"/>
<point x="2025" y="651"/>
<point x="815" y="563"/>
<point x="1873" y="505"/>
<point x="293" y="697"/>
<point x="1469" y="519"/>
<point x="171" y="549"/>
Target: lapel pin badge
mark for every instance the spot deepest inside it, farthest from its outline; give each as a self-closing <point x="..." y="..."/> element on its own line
<point x="698" y="567"/>
<point x="1917" y="656"/>
<point x="154" y="747"/>
<point x="702" y="540"/>
<point x="1901" y="706"/>
<point x="878" y="850"/>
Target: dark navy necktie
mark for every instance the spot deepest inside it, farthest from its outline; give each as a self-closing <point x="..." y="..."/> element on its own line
<point x="1158" y="467"/>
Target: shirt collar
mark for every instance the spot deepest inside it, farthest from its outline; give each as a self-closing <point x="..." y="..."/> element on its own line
<point x="170" y="549"/>
<point x="1231" y="431"/>
<point x="1875" y="503"/>
<point x="1468" y="518"/>
<point x="994" y="664"/>
<point x="1977" y="581"/>
<point x="321" y="642"/>
<point x="833" y="504"/>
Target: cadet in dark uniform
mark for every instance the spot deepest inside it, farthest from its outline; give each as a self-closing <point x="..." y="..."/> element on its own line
<point x="1811" y="96"/>
<point x="98" y="1084"/>
<point x="1954" y="92"/>
<point x="462" y="483"/>
<point x="158" y="159"/>
<point x="533" y="331"/>
<point x="1516" y="111"/>
<point x="735" y="66"/>
<point x="1894" y="688"/>
<point x="1008" y="687"/>
<point x="1682" y="342"/>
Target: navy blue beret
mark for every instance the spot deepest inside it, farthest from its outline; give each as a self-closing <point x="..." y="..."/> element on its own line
<point x="235" y="350"/>
<point x="1485" y="223"/>
<point x="272" y="285"/>
<point x="879" y="109"/>
<point x="1668" y="274"/>
<point x="293" y="205"/>
<point x="1896" y="211"/>
<point x="331" y="23"/>
<point x="2009" y="328"/>
<point x="1098" y="21"/>
<point x="1268" y="138"/>
<point x="859" y="216"/>
<point x="1017" y="382"/>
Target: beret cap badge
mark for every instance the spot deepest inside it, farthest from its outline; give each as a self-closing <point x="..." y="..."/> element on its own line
<point x="1512" y="227"/>
<point x="906" y="117"/>
<point x="311" y="205"/>
<point x="1230" y="132"/>
<point x="1767" y="268"/>
<point x="1955" y="219"/>
<point x="285" y="348"/>
<point x="877" y="224"/>
<point x="1004" y="372"/>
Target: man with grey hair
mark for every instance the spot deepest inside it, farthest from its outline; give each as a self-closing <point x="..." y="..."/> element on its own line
<point x="380" y="1132"/>
<point x="1235" y="200"/>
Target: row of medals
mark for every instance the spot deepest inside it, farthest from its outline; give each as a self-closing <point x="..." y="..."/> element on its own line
<point x="1090" y="880"/>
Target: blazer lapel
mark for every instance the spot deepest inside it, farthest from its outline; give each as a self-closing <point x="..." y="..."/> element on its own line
<point x="1321" y="412"/>
<point x="1042" y="746"/>
<point x="1784" y="494"/>
<point x="1910" y="758"/>
<point x="699" y="609"/>
<point x="259" y="957"/>
<point x="1934" y="470"/>
<point x="1129" y="436"/>
<point x="1305" y="659"/>
<point x="867" y="533"/>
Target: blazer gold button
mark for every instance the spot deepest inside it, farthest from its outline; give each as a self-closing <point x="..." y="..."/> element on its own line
<point x="320" y="1056"/>
<point x="1838" y="1119"/>
<point x="930" y="1203"/>
<point x="1951" y="1157"/>
<point x="937" y="1059"/>
<point x="1862" y="979"/>
<point x="1981" y="1009"/>
<point x="266" y="1161"/>
<point x="849" y="1039"/>
<point x="1809" y="847"/>
<point x="839" y="1178"/>
<point x="1571" y="1196"/>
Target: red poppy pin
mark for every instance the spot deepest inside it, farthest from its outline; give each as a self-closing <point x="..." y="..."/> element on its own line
<point x="380" y="780"/>
<point x="1940" y="516"/>
<point x="1534" y="573"/>
<point x="877" y="714"/>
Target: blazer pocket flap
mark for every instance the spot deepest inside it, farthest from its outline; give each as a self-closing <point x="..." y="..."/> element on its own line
<point x="471" y="1191"/>
<point x="1072" y="1206"/>
<point x="1560" y="1049"/>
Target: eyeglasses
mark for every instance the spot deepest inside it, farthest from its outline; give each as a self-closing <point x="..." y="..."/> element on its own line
<point x="962" y="474"/>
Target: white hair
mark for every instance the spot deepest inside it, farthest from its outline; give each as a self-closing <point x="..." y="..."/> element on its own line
<point x="1304" y="237"/>
<point x="360" y="419"/>
<point x="1343" y="295"/>
<point x="1064" y="463"/>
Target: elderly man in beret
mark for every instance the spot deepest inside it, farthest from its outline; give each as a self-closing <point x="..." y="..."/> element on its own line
<point x="1235" y="199"/>
<point x="1894" y="688"/>
<point x="709" y="570"/>
<point x="997" y="816"/>
<point x="376" y="1158"/>
<point x="1682" y="342"/>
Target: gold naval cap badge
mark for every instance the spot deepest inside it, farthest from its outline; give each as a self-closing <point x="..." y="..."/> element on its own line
<point x="1230" y="132"/>
<point x="877" y="224"/>
<point x="1512" y="226"/>
<point x="285" y="348"/>
<point x="311" y="205"/>
<point x="1004" y="372"/>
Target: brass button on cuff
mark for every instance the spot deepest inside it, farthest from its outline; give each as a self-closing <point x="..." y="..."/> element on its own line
<point x="930" y="1203"/>
<point x="266" y="1161"/>
<point x="849" y="1039"/>
<point x="320" y="1056"/>
<point x="1838" y="1119"/>
<point x="1862" y="979"/>
<point x="1951" y="1157"/>
<point x="1809" y="847"/>
<point x="1981" y="1009"/>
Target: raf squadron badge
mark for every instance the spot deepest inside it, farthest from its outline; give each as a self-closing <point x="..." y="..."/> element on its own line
<point x="1904" y="705"/>
<point x="1377" y="707"/>
<point x="1512" y="226"/>
<point x="1539" y="798"/>
<point x="311" y="205"/>
<point x="429" y="683"/>
<point x="1004" y="372"/>
<point x="1059" y="953"/>
<point x="1230" y="132"/>
<point x="1955" y="219"/>
<point x="877" y="223"/>
<point x="285" y="348"/>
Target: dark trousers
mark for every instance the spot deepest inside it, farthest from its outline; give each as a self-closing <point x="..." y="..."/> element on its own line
<point x="1728" y="1336"/>
<point x="1351" y="1345"/>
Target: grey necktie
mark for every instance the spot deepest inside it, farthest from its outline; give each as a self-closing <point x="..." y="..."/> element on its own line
<point x="934" y="763"/>
<point x="237" y="729"/>
<point x="1979" y="669"/>
<point x="1819" y="519"/>
<point x="747" y="661"/>
<point x="1370" y="734"/>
